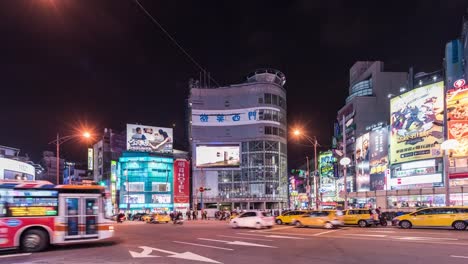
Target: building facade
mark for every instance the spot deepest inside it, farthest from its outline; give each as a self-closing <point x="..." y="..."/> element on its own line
<point x="238" y="142"/>
<point x="109" y="148"/>
<point x="145" y="182"/>
<point x="367" y="108"/>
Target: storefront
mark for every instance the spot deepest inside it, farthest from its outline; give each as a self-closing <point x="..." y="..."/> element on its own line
<point x="145" y="182"/>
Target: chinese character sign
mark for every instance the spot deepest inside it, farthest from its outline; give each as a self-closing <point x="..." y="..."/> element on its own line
<point x="416" y="124"/>
<point x="457" y="116"/>
<point x="181" y="181"/>
<point x="230" y="117"/>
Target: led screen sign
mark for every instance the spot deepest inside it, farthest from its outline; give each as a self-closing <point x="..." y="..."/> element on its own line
<point x="217" y="156"/>
<point x="417" y="124"/>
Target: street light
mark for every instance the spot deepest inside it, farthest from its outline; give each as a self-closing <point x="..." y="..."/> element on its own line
<point x="313" y="141"/>
<point x="446" y="146"/>
<point x="60" y="140"/>
<point x="345" y="162"/>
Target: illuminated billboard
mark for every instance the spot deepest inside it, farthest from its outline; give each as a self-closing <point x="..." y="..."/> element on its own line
<point x="378" y="158"/>
<point x="90" y="159"/>
<point x="416" y="122"/>
<point x="362" y="163"/>
<point x="149" y="138"/>
<point x="217" y="156"/>
<point x="457" y="117"/>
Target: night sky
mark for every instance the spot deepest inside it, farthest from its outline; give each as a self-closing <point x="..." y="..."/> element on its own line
<point x="103" y="63"/>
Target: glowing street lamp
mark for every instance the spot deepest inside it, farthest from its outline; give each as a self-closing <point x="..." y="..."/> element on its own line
<point x="314" y="143"/>
<point x="60" y="140"/>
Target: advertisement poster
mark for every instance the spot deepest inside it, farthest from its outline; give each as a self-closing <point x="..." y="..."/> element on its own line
<point x="217" y="156"/>
<point x="378" y="162"/>
<point x="362" y="163"/>
<point x="149" y="138"/>
<point x="416" y="122"/>
<point x="326" y="164"/>
<point x="457" y="116"/>
<point x="181" y="181"/>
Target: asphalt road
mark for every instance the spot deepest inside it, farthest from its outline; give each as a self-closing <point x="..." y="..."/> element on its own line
<point x="215" y="242"/>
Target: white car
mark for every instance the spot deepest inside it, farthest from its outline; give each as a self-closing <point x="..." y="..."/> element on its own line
<point x="253" y="219"/>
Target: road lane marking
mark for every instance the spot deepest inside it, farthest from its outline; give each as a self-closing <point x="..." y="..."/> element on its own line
<point x="201" y="245"/>
<point x="421" y="238"/>
<point x="454" y="256"/>
<point x="272" y="236"/>
<point x="16" y="255"/>
<point x="325" y="232"/>
<point x="248" y="238"/>
<point x="381" y="231"/>
<point x="146" y="253"/>
<point x="365" y="235"/>
<point x="279" y="228"/>
<point x="239" y="243"/>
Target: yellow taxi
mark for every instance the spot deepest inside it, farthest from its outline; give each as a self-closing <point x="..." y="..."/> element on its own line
<point x="157" y="218"/>
<point x="324" y="218"/>
<point x="289" y="217"/>
<point x="360" y="217"/>
<point x="455" y="217"/>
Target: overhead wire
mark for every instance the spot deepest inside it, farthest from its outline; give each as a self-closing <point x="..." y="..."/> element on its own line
<point x="175" y="42"/>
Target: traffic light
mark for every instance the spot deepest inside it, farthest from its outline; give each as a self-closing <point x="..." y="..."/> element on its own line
<point x="102" y="183"/>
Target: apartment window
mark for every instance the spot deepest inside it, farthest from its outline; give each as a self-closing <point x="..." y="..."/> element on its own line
<point x="274" y="116"/>
<point x="268" y="130"/>
<point x="274" y="99"/>
<point x="275" y="131"/>
<point x="260" y="100"/>
<point x="281" y="102"/>
<point x="267" y="98"/>
<point x="282" y="133"/>
<point x="267" y="114"/>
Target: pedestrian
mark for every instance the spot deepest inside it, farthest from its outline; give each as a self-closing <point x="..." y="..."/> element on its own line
<point x="188" y="214"/>
<point x="205" y="215"/>
<point x="195" y="214"/>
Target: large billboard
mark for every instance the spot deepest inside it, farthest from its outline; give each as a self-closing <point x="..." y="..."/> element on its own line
<point x="149" y="138"/>
<point x="416" y="123"/>
<point x="361" y="156"/>
<point x="457" y="117"/>
<point x="378" y="158"/>
<point x="217" y="156"/>
<point x="181" y="181"/>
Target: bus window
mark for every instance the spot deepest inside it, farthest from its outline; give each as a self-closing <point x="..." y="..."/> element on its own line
<point x="108" y="208"/>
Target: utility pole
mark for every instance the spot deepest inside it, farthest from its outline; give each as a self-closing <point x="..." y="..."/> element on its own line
<point x="316" y="174"/>
<point x="309" y="196"/>
<point x="344" y="170"/>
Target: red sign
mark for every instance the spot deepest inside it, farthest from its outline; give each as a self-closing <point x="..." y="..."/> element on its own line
<point x="459" y="83"/>
<point x="181" y="181"/>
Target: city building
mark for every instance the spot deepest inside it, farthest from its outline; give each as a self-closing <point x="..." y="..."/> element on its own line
<point x="367" y="107"/>
<point x="109" y="148"/>
<point x="49" y="163"/>
<point x="14" y="154"/>
<point x="145" y="182"/>
<point x="238" y="142"/>
<point x="75" y="173"/>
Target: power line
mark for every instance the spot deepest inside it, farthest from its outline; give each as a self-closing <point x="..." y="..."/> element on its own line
<point x="175" y="42"/>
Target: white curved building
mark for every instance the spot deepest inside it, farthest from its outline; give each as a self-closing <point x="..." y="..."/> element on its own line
<point x="238" y="141"/>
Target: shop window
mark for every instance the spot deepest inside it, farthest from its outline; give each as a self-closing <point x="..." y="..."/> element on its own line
<point x="136" y="186"/>
<point x="160" y="187"/>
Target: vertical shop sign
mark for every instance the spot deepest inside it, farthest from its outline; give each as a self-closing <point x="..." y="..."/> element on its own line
<point x="181" y="181"/>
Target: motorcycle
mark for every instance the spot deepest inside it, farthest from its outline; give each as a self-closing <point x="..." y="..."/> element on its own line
<point x="178" y="221"/>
